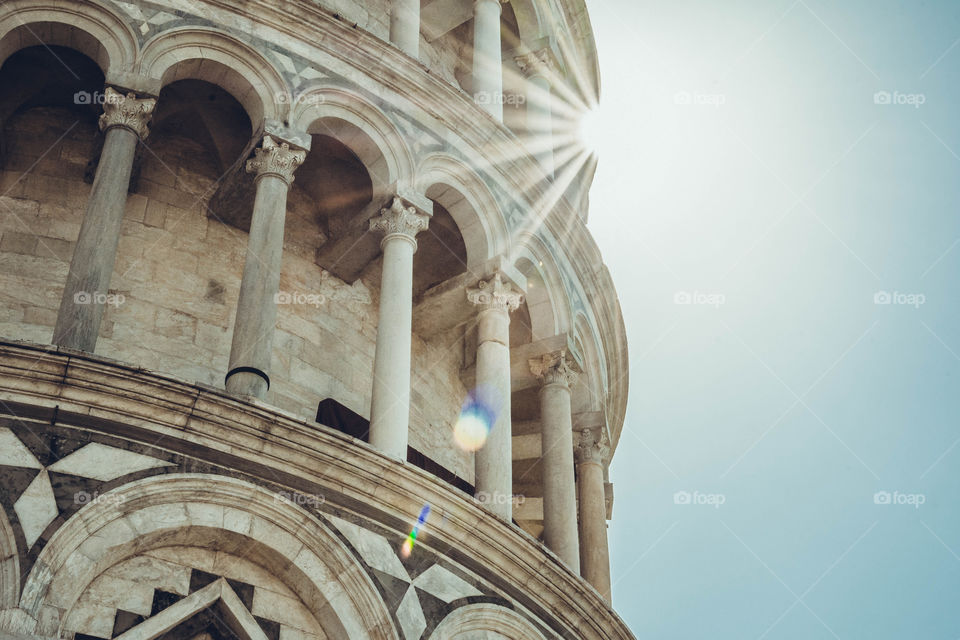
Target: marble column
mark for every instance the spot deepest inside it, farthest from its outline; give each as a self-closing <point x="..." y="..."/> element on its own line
<point x="556" y="427"/>
<point x="592" y="454"/>
<point x="495" y="300"/>
<point x="487" y="57"/>
<point x="273" y="164"/>
<point x="405" y="26"/>
<point x="538" y="67"/>
<point x="124" y="121"/>
<point x="390" y="403"/>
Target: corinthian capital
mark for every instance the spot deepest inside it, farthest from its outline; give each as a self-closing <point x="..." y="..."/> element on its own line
<point x="276" y="159"/>
<point x="590" y="447"/>
<point x="537" y="63"/>
<point x="555" y="367"/>
<point x="126" y="111"/>
<point x="400" y="219"/>
<point x="495" y="294"/>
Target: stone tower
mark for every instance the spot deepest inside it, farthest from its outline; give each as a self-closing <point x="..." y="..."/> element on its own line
<point x="302" y="333"/>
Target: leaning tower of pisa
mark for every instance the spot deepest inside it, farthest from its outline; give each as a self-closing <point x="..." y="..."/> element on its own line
<point x="302" y="333"/>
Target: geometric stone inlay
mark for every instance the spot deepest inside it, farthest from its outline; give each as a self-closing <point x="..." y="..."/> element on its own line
<point x="13" y="453"/>
<point x="36" y="508"/>
<point x="444" y="585"/>
<point x="104" y="463"/>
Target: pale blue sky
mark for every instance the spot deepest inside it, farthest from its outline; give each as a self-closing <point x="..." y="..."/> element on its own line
<point x="745" y="156"/>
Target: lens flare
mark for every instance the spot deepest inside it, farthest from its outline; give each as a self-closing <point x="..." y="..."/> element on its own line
<point x="407" y="548"/>
<point x="475" y="422"/>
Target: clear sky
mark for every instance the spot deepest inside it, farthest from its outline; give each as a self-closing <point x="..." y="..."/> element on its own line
<point x="750" y="168"/>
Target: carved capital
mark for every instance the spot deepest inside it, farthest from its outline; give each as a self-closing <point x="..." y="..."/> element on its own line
<point x="126" y="111"/>
<point x="537" y="63"/>
<point x="495" y="294"/>
<point x="553" y="368"/>
<point x="399" y="219"/>
<point x="590" y="448"/>
<point x="276" y="159"/>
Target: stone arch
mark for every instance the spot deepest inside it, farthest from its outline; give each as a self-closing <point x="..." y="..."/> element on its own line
<point x="360" y="125"/>
<point x="462" y="192"/>
<point x="488" y="621"/>
<point x="220" y="59"/>
<point x="594" y="372"/>
<point x="211" y="512"/>
<point x="9" y="565"/>
<point x="84" y="25"/>
<point x="530" y="20"/>
<point x="548" y="304"/>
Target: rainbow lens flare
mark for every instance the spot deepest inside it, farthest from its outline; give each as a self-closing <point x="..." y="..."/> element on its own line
<point x="407" y="547"/>
<point x="476" y="420"/>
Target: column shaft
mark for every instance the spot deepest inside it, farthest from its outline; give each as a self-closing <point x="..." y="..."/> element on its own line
<point x="559" y="484"/>
<point x="540" y="121"/>
<point x="594" y="552"/>
<point x="405" y="26"/>
<point x="494" y="461"/>
<point x="390" y="401"/>
<point x="390" y="405"/>
<point x="91" y="267"/>
<point x="487" y="57"/>
<point x="256" y="317"/>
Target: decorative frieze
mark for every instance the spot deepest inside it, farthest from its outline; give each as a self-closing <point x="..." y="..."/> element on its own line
<point x="126" y="111"/>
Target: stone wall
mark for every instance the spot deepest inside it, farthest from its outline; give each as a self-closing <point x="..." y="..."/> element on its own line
<point x="177" y="280"/>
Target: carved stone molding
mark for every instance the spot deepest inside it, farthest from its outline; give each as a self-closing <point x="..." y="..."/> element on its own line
<point x="276" y="159"/>
<point x="399" y="219"/>
<point x="553" y="368"/>
<point x="126" y="111"/>
<point x="591" y="448"/>
<point x="495" y="294"/>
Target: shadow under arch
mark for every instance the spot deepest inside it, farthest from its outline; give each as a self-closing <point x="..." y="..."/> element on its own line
<point x="588" y="394"/>
<point x="222" y="60"/>
<point x="478" y="620"/>
<point x="547" y="299"/>
<point x="212" y="512"/>
<point x="83" y="25"/>
<point x="361" y="126"/>
<point x="461" y="191"/>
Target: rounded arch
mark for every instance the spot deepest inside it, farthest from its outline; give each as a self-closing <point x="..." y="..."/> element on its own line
<point x="488" y="621"/>
<point x="84" y="25"/>
<point x="220" y="59"/>
<point x="362" y="127"/>
<point x="594" y="378"/>
<point x="548" y="303"/>
<point x="530" y="22"/>
<point x="459" y="189"/>
<point x="9" y="565"/>
<point x="218" y="513"/>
